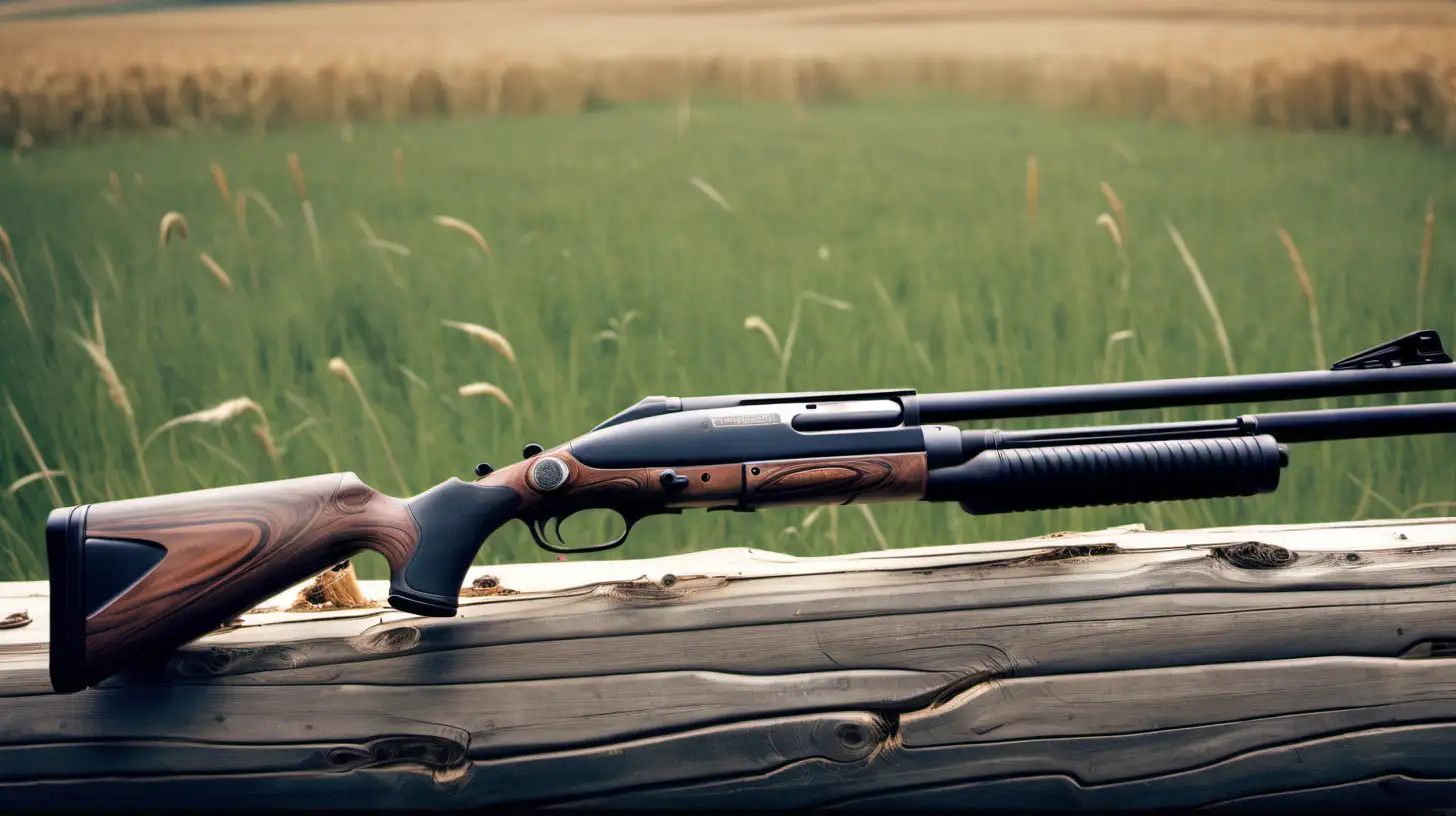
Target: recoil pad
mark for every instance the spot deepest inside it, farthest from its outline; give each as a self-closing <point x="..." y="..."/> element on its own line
<point x="1021" y="479"/>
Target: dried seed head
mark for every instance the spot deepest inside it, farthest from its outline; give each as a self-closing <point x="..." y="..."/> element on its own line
<point x="1305" y="284"/>
<point x="296" y="171"/>
<point x="15" y="293"/>
<point x="220" y="179"/>
<point x="32" y="477"/>
<point x="216" y="415"/>
<point x="242" y="207"/>
<point x="826" y="300"/>
<point x="217" y="271"/>
<point x="1105" y="221"/>
<point x="103" y="365"/>
<point x="1116" y="204"/>
<point x="7" y="246"/>
<point x="758" y="324"/>
<point x="342" y="371"/>
<point x="483" y="389"/>
<point x="173" y="221"/>
<point x="490" y="337"/>
<point x="710" y="192"/>
<point x="450" y="222"/>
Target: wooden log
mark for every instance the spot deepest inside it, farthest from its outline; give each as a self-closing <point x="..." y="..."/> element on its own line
<point x="1306" y="666"/>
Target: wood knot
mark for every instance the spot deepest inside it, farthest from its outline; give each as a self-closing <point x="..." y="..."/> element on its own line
<point x="854" y="737"/>
<point x="217" y="660"/>
<point x="390" y="641"/>
<point x="1077" y="551"/>
<point x="1255" y="555"/>
<point x="851" y="735"/>
<point x="430" y="751"/>
<point x="669" y="588"/>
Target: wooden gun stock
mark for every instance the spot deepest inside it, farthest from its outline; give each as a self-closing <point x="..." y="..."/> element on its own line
<point x="132" y="580"/>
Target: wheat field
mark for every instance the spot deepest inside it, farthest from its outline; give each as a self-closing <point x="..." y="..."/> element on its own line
<point x="1371" y="66"/>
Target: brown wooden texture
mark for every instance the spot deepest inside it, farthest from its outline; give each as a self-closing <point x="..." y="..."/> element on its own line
<point x="1305" y="667"/>
<point x="230" y="548"/>
<point x="833" y="480"/>
<point x="844" y="480"/>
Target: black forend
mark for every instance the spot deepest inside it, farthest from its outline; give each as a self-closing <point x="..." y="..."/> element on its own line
<point x="1008" y="481"/>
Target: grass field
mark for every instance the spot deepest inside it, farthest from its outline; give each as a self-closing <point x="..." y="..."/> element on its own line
<point x="615" y="277"/>
<point x="67" y="70"/>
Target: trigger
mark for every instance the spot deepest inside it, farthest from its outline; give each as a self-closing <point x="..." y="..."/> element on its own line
<point x="556" y="529"/>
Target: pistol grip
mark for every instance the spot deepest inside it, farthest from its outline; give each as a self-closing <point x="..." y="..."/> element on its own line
<point x="454" y="519"/>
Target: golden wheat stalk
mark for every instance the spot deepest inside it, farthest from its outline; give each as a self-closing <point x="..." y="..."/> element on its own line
<point x="1307" y="287"/>
<point x="220" y="179"/>
<point x="217" y="271"/>
<point x="40" y="462"/>
<point x="399" y="166"/>
<point x="313" y="233"/>
<point x="758" y="324"/>
<point x="220" y="414"/>
<point x="490" y="337"/>
<point x="100" y="338"/>
<point x="710" y="191"/>
<point x="172" y="222"/>
<point x="788" y="349"/>
<point x="1112" y="340"/>
<point x="1206" y="295"/>
<point x="9" y="250"/>
<point x="1425" y="263"/>
<point x="243" y="196"/>
<point x="381" y="246"/>
<point x="1032" y="190"/>
<point x="30" y="478"/>
<point x="300" y="183"/>
<point x="451" y="222"/>
<point x="20" y="304"/>
<point x="1106" y="222"/>
<point x="1116" y="204"/>
<point x="1115" y="232"/>
<point x="342" y="371"/>
<point x="485" y="389"/>
<point x="117" y="392"/>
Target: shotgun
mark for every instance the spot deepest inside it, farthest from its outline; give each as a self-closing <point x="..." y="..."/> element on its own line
<point x="131" y="580"/>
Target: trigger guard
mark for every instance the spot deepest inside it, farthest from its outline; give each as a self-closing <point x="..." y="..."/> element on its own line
<point x="537" y="526"/>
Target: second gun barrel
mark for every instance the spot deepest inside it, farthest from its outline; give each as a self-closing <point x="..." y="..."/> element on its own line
<point x="1086" y="399"/>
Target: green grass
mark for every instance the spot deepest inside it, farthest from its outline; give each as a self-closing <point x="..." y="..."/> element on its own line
<point x="921" y="204"/>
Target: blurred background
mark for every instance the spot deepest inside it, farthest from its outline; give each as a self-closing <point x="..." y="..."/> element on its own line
<point x="250" y="241"/>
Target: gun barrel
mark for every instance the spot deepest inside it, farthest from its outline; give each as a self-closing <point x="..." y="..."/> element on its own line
<point x="1356" y="423"/>
<point x="1085" y="399"/>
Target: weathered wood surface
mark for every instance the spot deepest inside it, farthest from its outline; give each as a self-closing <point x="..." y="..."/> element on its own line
<point x="1117" y="669"/>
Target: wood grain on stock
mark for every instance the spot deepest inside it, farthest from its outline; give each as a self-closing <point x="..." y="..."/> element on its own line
<point x="833" y="480"/>
<point x="230" y="548"/>
<point x="891" y="477"/>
